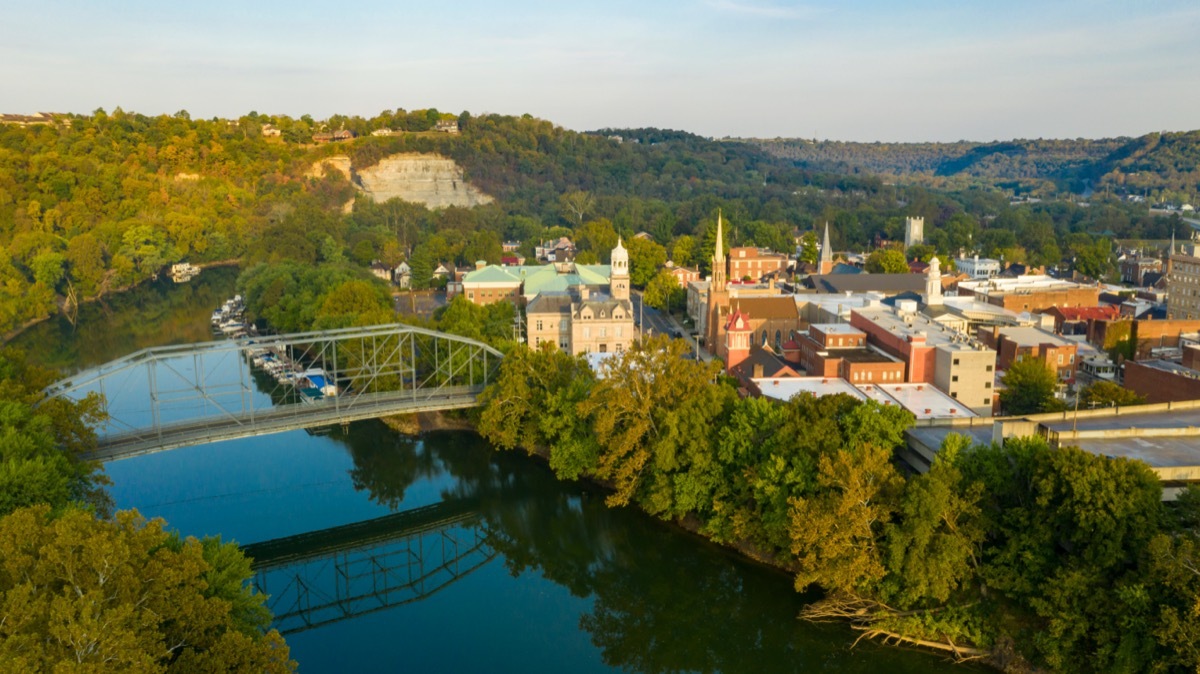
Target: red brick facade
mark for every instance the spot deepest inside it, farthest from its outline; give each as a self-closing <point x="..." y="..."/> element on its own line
<point x="1160" y="386"/>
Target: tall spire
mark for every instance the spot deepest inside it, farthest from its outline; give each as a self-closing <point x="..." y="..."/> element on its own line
<point x="825" y="262"/>
<point x="718" y="260"/>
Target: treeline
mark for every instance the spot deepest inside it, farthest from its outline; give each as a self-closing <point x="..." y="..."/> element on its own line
<point x="83" y="589"/>
<point x="1164" y="167"/>
<point x="1063" y="558"/>
<point x="111" y="199"/>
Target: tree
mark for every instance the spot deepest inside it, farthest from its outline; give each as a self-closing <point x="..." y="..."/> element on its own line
<point x="887" y="261"/>
<point x="808" y="247"/>
<point x="663" y="291"/>
<point x="651" y="414"/>
<point x="1029" y="388"/>
<point x="84" y="594"/>
<point x="1108" y="394"/>
<point x="646" y="258"/>
<point x="683" y="251"/>
<point x="598" y="237"/>
<point x="576" y="205"/>
<point x="835" y="532"/>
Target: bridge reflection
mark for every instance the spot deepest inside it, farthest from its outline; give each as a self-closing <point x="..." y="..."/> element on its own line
<point x="323" y="577"/>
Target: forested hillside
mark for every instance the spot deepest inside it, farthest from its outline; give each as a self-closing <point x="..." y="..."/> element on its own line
<point x="1162" y="166"/>
<point x="98" y="202"/>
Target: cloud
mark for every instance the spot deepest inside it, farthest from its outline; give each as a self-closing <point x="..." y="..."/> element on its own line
<point x="762" y="10"/>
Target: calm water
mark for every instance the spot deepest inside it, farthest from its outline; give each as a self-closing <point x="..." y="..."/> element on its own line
<point x="469" y="561"/>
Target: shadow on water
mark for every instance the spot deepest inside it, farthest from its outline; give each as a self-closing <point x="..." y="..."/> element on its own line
<point x="154" y="314"/>
<point x="661" y="600"/>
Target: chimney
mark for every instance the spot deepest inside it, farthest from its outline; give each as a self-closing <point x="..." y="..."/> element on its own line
<point x="480" y="264"/>
<point x="584" y="293"/>
<point x="758" y="371"/>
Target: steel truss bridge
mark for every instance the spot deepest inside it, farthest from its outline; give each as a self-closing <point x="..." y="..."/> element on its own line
<point x="175" y="396"/>
<point x="323" y="577"/>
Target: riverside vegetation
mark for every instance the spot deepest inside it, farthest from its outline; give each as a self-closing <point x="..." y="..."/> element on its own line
<point x="1020" y="554"/>
<point x="82" y="589"/>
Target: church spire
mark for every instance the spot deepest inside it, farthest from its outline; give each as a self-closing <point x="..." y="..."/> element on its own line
<point x="825" y="262"/>
<point x="718" y="260"/>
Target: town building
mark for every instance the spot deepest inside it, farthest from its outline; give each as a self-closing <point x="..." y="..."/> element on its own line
<point x="446" y="126"/>
<point x="840" y="350"/>
<point x="271" y="131"/>
<point x="954" y="362"/>
<point x="1183" y="284"/>
<point x="683" y="275"/>
<point x="752" y="264"/>
<point x="582" y="319"/>
<point x="1014" y="344"/>
<point x="1081" y="320"/>
<point x="979" y="267"/>
<point x="1135" y="268"/>
<point x="1031" y="293"/>
<point x="925" y="402"/>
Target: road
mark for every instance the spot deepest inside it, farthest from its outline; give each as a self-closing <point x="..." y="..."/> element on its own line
<point x="656" y="322"/>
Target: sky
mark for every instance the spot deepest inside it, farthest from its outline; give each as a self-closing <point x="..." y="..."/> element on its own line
<point x="921" y="70"/>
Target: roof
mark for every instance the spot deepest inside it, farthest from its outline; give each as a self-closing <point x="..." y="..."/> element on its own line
<point x="549" y="278"/>
<point x="1033" y="337"/>
<point x="857" y="283"/>
<point x="491" y="274"/>
<point x="837" y="329"/>
<point x="923" y="400"/>
<point x="1107" y="312"/>
<point x="780" y="306"/>
<point x="843" y="268"/>
<point x="550" y="303"/>
<point x="772" y="365"/>
<point x="785" y="388"/>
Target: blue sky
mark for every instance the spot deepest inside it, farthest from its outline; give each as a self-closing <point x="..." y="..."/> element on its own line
<point x="918" y="70"/>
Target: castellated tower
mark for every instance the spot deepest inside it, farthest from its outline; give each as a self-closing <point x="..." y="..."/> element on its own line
<point x="914" y="232"/>
<point x="618" y="284"/>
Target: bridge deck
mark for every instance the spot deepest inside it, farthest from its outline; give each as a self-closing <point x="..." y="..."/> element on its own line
<point x="279" y="419"/>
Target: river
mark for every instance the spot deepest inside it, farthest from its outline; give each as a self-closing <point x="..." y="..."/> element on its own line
<point x="437" y="554"/>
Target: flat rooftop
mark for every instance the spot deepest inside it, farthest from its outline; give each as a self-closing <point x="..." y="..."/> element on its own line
<point x="860" y="355"/>
<point x="923" y="400"/>
<point x="785" y="388"/>
<point x="837" y="329"/>
<point x="1034" y="337"/>
<point x="935" y="334"/>
<point x="1021" y="284"/>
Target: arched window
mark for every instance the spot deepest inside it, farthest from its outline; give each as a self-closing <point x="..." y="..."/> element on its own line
<point x="765" y="338"/>
<point x="778" y="340"/>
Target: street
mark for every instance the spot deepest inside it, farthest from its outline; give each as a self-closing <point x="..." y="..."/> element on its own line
<point x="654" y="322"/>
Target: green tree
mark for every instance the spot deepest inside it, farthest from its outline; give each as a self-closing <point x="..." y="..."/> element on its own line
<point x="664" y="291"/>
<point x="92" y="595"/>
<point x="887" y="261"/>
<point x="646" y="259"/>
<point x="597" y="237"/>
<point x="683" y="251"/>
<point x="836" y="532"/>
<point x="1108" y="394"/>
<point x="1029" y="388"/>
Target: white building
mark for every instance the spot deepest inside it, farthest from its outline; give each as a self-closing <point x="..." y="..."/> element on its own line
<point x="914" y="232"/>
<point x="979" y="267"/>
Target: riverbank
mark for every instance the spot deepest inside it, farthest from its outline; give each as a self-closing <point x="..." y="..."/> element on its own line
<point x="61" y="302"/>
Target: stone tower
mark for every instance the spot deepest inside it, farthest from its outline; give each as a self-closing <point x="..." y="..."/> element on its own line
<point x="618" y="284"/>
<point x="718" y="294"/>
<point x="914" y="231"/>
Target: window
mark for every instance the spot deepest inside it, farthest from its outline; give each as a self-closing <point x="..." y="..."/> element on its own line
<point x="587" y="333"/>
<point x="956" y="361"/>
<point x="954" y="378"/>
<point x="986" y="401"/>
<point x="603" y="332"/>
<point x="987" y="384"/>
<point x="603" y="348"/>
<point x="764" y="342"/>
<point x="1060" y="359"/>
<point x="954" y="394"/>
<point x="563" y="345"/>
<point x="989" y="368"/>
<point x="539" y="325"/>
<point x="471" y="295"/>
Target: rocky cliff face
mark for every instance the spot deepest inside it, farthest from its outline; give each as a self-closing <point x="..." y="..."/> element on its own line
<point x="427" y="179"/>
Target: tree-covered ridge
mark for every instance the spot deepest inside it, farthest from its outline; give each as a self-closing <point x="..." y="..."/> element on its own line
<point x="1161" y="166"/>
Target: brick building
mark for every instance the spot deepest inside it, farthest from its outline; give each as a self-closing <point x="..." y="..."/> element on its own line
<point x="1183" y="285"/>
<point x="1013" y="344"/>
<point x="1031" y="293"/>
<point x="840" y="350"/>
<point x="955" y="363"/>
<point x="754" y="263"/>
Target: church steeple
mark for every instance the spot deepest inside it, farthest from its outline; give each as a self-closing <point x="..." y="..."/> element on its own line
<point x="825" y="262"/>
<point x="718" y="260"/>
<point x="618" y="283"/>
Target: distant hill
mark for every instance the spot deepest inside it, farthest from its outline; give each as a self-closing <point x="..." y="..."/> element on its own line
<point x="1160" y="165"/>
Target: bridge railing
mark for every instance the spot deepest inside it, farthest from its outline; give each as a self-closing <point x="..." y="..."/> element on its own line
<point x="188" y="394"/>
